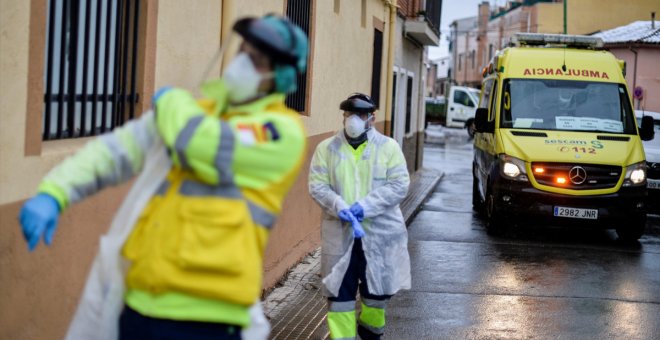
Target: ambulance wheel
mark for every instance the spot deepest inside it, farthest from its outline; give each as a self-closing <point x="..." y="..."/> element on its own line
<point x="495" y="222"/>
<point x="631" y="232"/>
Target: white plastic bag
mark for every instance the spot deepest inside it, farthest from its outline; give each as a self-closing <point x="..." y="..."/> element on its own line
<point x="97" y="316"/>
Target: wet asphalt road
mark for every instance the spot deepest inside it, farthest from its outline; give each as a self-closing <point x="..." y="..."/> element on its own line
<point x="531" y="283"/>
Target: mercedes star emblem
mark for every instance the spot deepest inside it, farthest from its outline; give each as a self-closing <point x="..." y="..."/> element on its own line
<point x="577" y="175"/>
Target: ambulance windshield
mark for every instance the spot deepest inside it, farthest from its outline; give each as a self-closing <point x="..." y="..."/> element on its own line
<point x="566" y="105"/>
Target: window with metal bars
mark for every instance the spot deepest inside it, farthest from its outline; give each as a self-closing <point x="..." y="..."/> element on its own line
<point x="90" y="72"/>
<point x="300" y="13"/>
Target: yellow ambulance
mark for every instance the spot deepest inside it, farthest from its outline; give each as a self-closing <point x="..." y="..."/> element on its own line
<point x="557" y="141"/>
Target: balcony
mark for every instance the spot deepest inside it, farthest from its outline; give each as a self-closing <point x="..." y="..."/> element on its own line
<point x="421" y="31"/>
<point x="425" y="28"/>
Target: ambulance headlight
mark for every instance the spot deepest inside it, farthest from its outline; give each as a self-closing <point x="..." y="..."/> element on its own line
<point x="513" y="168"/>
<point x="635" y="175"/>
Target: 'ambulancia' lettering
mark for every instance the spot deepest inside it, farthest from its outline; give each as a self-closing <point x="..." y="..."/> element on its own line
<point x="571" y="72"/>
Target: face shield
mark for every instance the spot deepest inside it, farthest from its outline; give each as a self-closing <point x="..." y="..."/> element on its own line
<point x="247" y="72"/>
<point x="277" y="50"/>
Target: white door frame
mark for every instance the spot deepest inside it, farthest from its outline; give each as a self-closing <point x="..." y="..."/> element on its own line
<point x="399" y="109"/>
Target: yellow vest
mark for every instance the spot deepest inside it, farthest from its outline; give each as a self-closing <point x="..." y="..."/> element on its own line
<point x="204" y="246"/>
<point x="205" y="240"/>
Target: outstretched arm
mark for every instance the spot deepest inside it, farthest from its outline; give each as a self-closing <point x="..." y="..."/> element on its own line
<point x="109" y="159"/>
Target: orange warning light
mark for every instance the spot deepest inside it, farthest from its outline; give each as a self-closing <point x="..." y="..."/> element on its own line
<point x="539" y="170"/>
<point x="561" y="180"/>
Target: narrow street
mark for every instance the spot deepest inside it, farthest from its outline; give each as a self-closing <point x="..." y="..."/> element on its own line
<point x="531" y="283"/>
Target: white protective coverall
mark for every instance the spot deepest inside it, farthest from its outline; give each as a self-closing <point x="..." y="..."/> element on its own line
<point x="378" y="181"/>
<point x="97" y="315"/>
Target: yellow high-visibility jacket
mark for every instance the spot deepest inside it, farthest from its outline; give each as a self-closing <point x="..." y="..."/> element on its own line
<point x="196" y="251"/>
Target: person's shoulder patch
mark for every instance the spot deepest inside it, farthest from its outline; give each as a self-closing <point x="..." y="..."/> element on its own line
<point x="255" y="133"/>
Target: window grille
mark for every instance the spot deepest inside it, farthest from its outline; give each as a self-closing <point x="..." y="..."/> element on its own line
<point x="376" y="67"/>
<point x="300" y="12"/>
<point x="90" y="72"/>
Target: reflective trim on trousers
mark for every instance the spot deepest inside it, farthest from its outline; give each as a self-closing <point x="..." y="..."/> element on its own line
<point x="183" y="139"/>
<point x="342" y="325"/>
<point x="341" y="306"/>
<point x="372" y="315"/>
<point x="373" y="319"/>
<point x="375" y="303"/>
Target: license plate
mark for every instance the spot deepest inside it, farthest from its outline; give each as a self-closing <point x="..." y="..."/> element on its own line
<point x="590" y="214"/>
<point x="653" y="183"/>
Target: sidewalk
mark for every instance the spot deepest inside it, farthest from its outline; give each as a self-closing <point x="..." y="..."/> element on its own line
<point x="296" y="309"/>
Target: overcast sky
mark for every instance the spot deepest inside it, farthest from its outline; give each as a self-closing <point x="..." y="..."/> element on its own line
<point x="452" y="10"/>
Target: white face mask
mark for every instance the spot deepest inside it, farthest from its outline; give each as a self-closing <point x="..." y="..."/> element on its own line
<point x="242" y="79"/>
<point x="354" y="126"/>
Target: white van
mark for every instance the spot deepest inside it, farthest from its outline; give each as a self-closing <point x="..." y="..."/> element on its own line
<point x="461" y="106"/>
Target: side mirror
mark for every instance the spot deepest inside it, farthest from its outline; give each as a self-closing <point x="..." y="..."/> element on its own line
<point x="481" y="123"/>
<point x="646" y="131"/>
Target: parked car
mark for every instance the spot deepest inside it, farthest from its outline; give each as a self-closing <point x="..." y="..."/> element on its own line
<point x="652" y="151"/>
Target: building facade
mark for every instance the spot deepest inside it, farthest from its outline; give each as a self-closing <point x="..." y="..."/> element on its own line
<point x="463" y="50"/>
<point x="638" y="44"/>
<point x="417" y="26"/>
<point x="123" y="53"/>
<point x="475" y="40"/>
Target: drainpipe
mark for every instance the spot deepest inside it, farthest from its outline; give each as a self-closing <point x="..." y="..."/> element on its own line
<point x="635" y="65"/>
<point x="226" y="26"/>
<point x="390" y="64"/>
<point x="565" y="18"/>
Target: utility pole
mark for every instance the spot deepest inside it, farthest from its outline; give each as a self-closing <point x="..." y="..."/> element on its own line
<point x="565" y="31"/>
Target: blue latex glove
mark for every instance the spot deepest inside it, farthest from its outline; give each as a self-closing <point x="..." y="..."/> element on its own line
<point x="345" y="215"/>
<point x="38" y="216"/>
<point x="357" y="211"/>
<point x="358" y="232"/>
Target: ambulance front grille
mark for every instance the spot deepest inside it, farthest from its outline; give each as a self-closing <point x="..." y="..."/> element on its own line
<point x="597" y="176"/>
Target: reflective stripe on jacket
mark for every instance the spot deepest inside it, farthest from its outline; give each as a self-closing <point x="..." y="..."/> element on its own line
<point x="378" y="181"/>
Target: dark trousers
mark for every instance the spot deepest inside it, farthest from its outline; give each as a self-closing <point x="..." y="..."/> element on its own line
<point x="354" y="279"/>
<point x="135" y="326"/>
